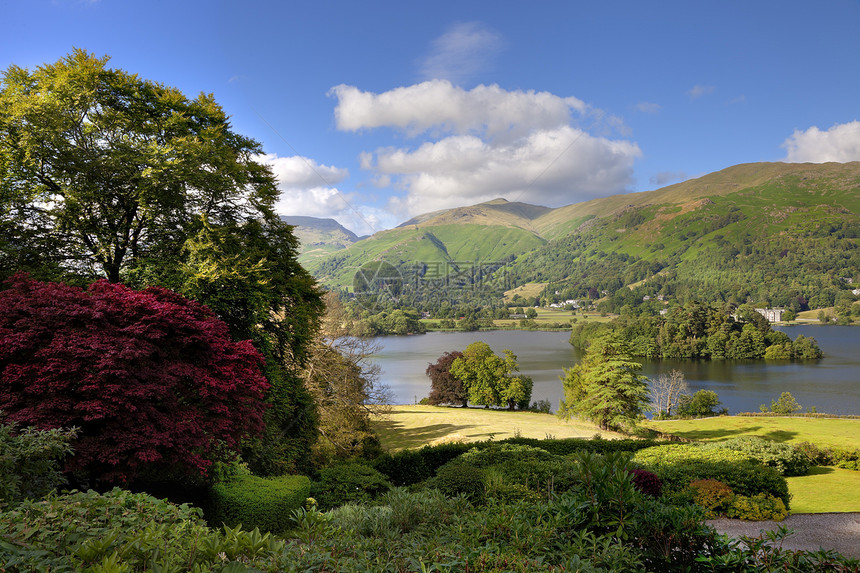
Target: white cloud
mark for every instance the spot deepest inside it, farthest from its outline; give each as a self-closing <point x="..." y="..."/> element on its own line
<point x="699" y="90"/>
<point x="302" y="172"/>
<point x="462" y="51"/>
<point x="549" y="167"/>
<point x="437" y="104"/>
<point x="840" y="143"/>
<point x="647" y="107"/>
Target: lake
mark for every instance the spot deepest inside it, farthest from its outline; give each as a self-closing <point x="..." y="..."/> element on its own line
<point x="831" y="385"/>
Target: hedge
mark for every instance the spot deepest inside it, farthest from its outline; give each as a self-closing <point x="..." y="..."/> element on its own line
<point x="252" y="501"/>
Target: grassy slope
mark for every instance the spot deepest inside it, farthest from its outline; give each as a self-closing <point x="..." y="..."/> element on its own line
<point x="416" y="426"/>
<point x="823" y="489"/>
<point x="840" y="433"/>
<point x="451" y="243"/>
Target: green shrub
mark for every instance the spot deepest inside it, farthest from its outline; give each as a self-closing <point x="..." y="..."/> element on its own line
<point x="848" y="459"/>
<point x="678" y="465"/>
<point x="816" y="455"/>
<point x="256" y="502"/>
<point x="712" y="495"/>
<point x="121" y="531"/>
<point x="758" y="507"/>
<point x="503" y="452"/>
<point x="348" y="483"/>
<point x="409" y="467"/>
<point x="29" y="461"/>
<point x="787" y="460"/>
<point x="458" y="478"/>
<point x="403" y="468"/>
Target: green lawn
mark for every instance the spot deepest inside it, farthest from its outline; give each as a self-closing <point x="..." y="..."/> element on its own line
<point x="833" y="432"/>
<point x="825" y="490"/>
<point x="822" y="490"/>
<point x="415" y="426"/>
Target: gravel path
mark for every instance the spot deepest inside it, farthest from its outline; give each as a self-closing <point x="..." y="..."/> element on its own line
<point x="839" y="531"/>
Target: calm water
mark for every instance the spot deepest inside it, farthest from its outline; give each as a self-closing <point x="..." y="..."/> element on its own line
<point x="831" y="384"/>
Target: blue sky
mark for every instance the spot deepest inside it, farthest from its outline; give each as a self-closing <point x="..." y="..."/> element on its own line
<point x="372" y="112"/>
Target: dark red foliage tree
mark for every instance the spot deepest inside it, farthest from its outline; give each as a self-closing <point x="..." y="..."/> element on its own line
<point x="152" y="379"/>
<point x="444" y="387"/>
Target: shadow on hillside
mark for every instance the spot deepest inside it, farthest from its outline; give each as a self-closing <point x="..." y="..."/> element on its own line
<point x="401" y="437"/>
<point x="720" y="434"/>
<point x="780" y="435"/>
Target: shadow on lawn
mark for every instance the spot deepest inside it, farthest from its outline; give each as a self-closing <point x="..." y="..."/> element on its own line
<point x="717" y="434"/>
<point x="394" y="435"/>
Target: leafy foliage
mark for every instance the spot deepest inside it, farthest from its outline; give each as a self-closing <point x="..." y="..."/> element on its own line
<point x="678" y="465"/>
<point x="489" y="379"/>
<point x="256" y="502"/>
<point x="605" y="386"/>
<point x="786" y="459"/>
<point x="349" y="482"/>
<point x="29" y="461"/>
<point x="104" y="167"/>
<point x="758" y="507"/>
<point x="647" y="482"/>
<point x="445" y="388"/>
<point x="123" y="531"/>
<point x="152" y="379"/>
<point x="702" y="331"/>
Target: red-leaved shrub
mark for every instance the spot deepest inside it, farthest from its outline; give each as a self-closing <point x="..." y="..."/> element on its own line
<point x="152" y="379"/>
<point x="647" y="482"/>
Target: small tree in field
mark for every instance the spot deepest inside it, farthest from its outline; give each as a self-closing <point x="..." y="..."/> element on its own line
<point x="666" y="391"/>
<point x="151" y="379"/>
<point x="445" y="388"/>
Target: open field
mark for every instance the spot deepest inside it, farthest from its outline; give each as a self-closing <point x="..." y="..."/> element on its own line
<point x="834" y="432"/>
<point x="825" y="490"/>
<point x="551" y="315"/>
<point x="415" y="426"/>
<point x="822" y="490"/>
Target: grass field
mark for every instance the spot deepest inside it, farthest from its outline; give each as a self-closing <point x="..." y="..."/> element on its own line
<point x="840" y="433"/>
<point x="415" y="426"/>
<point x="551" y="315"/>
<point x="823" y="490"/>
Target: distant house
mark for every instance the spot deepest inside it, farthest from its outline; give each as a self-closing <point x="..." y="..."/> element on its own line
<point x="856" y="292"/>
<point x="516" y="315"/>
<point x="771" y="314"/>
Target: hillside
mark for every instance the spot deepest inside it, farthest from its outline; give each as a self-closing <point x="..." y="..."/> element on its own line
<point x="319" y="237"/>
<point x="779" y="233"/>
<point x="439" y="244"/>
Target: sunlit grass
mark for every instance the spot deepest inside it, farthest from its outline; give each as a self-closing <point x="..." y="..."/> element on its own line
<point x="834" y="432"/>
<point x="415" y="426"/>
<point x="825" y="490"/>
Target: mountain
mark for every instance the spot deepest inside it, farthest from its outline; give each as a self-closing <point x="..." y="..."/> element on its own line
<point x="440" y="243"/>
<point x="771" y="232"/>
<point x="319" y="237"/>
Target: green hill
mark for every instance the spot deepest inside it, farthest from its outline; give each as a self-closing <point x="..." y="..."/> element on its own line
<point x="777" y="233"/>
<point x="319" y="237"/>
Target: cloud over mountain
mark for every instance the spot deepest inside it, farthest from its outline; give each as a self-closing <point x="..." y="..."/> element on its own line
<point x="840" y="143"/>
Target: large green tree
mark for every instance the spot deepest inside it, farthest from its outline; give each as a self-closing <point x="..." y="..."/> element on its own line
<point x="104" y="174"/>
<point x="103" y="168"/>
<point x="490" y="379"/>
<point x="606" y="386"/>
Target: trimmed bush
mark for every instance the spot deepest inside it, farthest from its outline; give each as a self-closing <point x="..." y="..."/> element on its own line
<point x="350" y="482"/>
<point x="715" y="496"/>
<point x="679" y="464"/>
<point x="458" y="478"/>
<point x="252" y="501"/>
<point x="787" y="460"/>
<point x="759" y="507"/>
